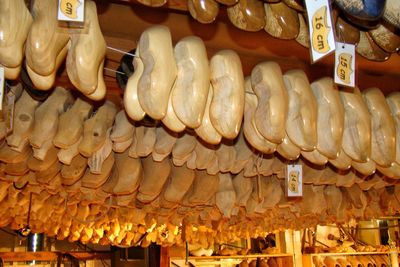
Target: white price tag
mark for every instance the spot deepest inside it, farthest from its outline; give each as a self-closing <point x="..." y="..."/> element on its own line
<point x="1" y="87"/>
<point x="345" y="64"/>
<point x="294" y="181"/>
<point x="71" y="10"/>
<point x="320" y="28"/>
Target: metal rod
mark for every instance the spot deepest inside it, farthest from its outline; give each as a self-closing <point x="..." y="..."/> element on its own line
<point x="116" y="71"/>
<point x="121" y="51"/>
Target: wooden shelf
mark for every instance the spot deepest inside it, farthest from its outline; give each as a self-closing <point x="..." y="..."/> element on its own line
<point x="283" y="260"/>
<point x="253" y="256"/>
<point x="346" y="253"/>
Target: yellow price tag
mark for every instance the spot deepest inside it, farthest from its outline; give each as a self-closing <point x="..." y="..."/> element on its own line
<point x="69" y="8"/>
<point x="320" y="31"/>
<point x="345" y="64"/>
<point x="320" y="28"/>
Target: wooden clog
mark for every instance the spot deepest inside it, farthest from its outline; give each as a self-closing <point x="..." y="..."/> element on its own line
<point x="227" y="104"/>
<point x="314" y="202"/>
<point x="391" y="172"/>
<point x="243" y="187"/>
<point x="295" y="4"/>
<point x="227" y="2"/>
<point x="288" y="149"/>
<point x="159" y="72"/>
<point x="330" y="119"/>
<point x="315" y="157"/>
<point x="301" y="122"/>
<point x="363" y="14"/>
<point x="243" y="153"/>
<point x="40" y="165"/>
<point x="46" y="82"/>
<point x="70" y="126"/>
<point x="101" y="90"/>
<point x="204" y="11"/>
<point x="126" y="177"/>
<point x="281" y="21"/>
<point x="248" y="15"/>
<point x="357" y="126"/>
<point x="155" y="176"/>
<point x="347" y="32"/>
<point x="40" y="153"/>
<point x="181" y="178"/>
<point x="206" y="131"/>
<point x="202" y="156"/>
<point x="170" y="120"/>
<point x="45" y="40"/>
<point x="131" y="101"/>
<point x="165" y="141"/>
<point x="225" y="197"/>
<point x="190" y="91"/>
<point x="24" y="115"/>
<point x="96" y="160"/>
<point x="199" y="196"/>
<point x="334" y="199"/>
<point x="342" y="162"/>
<point x="367" y="48"/>
<point x="303" y="37"/>
<point x="47" y="175"/>
<point x="153" y="3"/>
<point x="14" y="27"/>
<point x="121" y="147"/>
<point x="123" y="128"/>
<point x="226" y="155"/>
<point x="10" y="156"/>
<point x="365" y="168"/>
<point x="271" y="113"/>
<point x="182" y="148"/>
<point x="250" y="131"/>
<point x="386" y="39"/>
<point x="72" y="173"/>
<point x="383" y="129"/>
<point x="393" y="101"/>
<point x="66" y="155"/>
<point x="146" y="139"/>
<point x="47" y="116"/>
<point x="391" y="13"/>
<point x="93" y="181"/>
<point x="84" y="65"/>
<point x="95" y="129"/>
<point x="18" y="169"/>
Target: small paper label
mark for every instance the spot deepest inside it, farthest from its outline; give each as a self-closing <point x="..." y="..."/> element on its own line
<point x="1" y="87"/>
<point x="321" y="31"/>
<point x="294" y="181"/>
<point x="71" y="10"/>
<point x="345" y="64"/>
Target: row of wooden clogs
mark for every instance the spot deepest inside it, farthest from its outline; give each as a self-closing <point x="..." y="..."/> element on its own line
<point x="64" y="217"/>
<point x="64" y="130"/>
<point x="362" y="260"/>
<point x="286" y="20"/>
<point x="45" y="45"/>
<point x="282" y="112"/>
